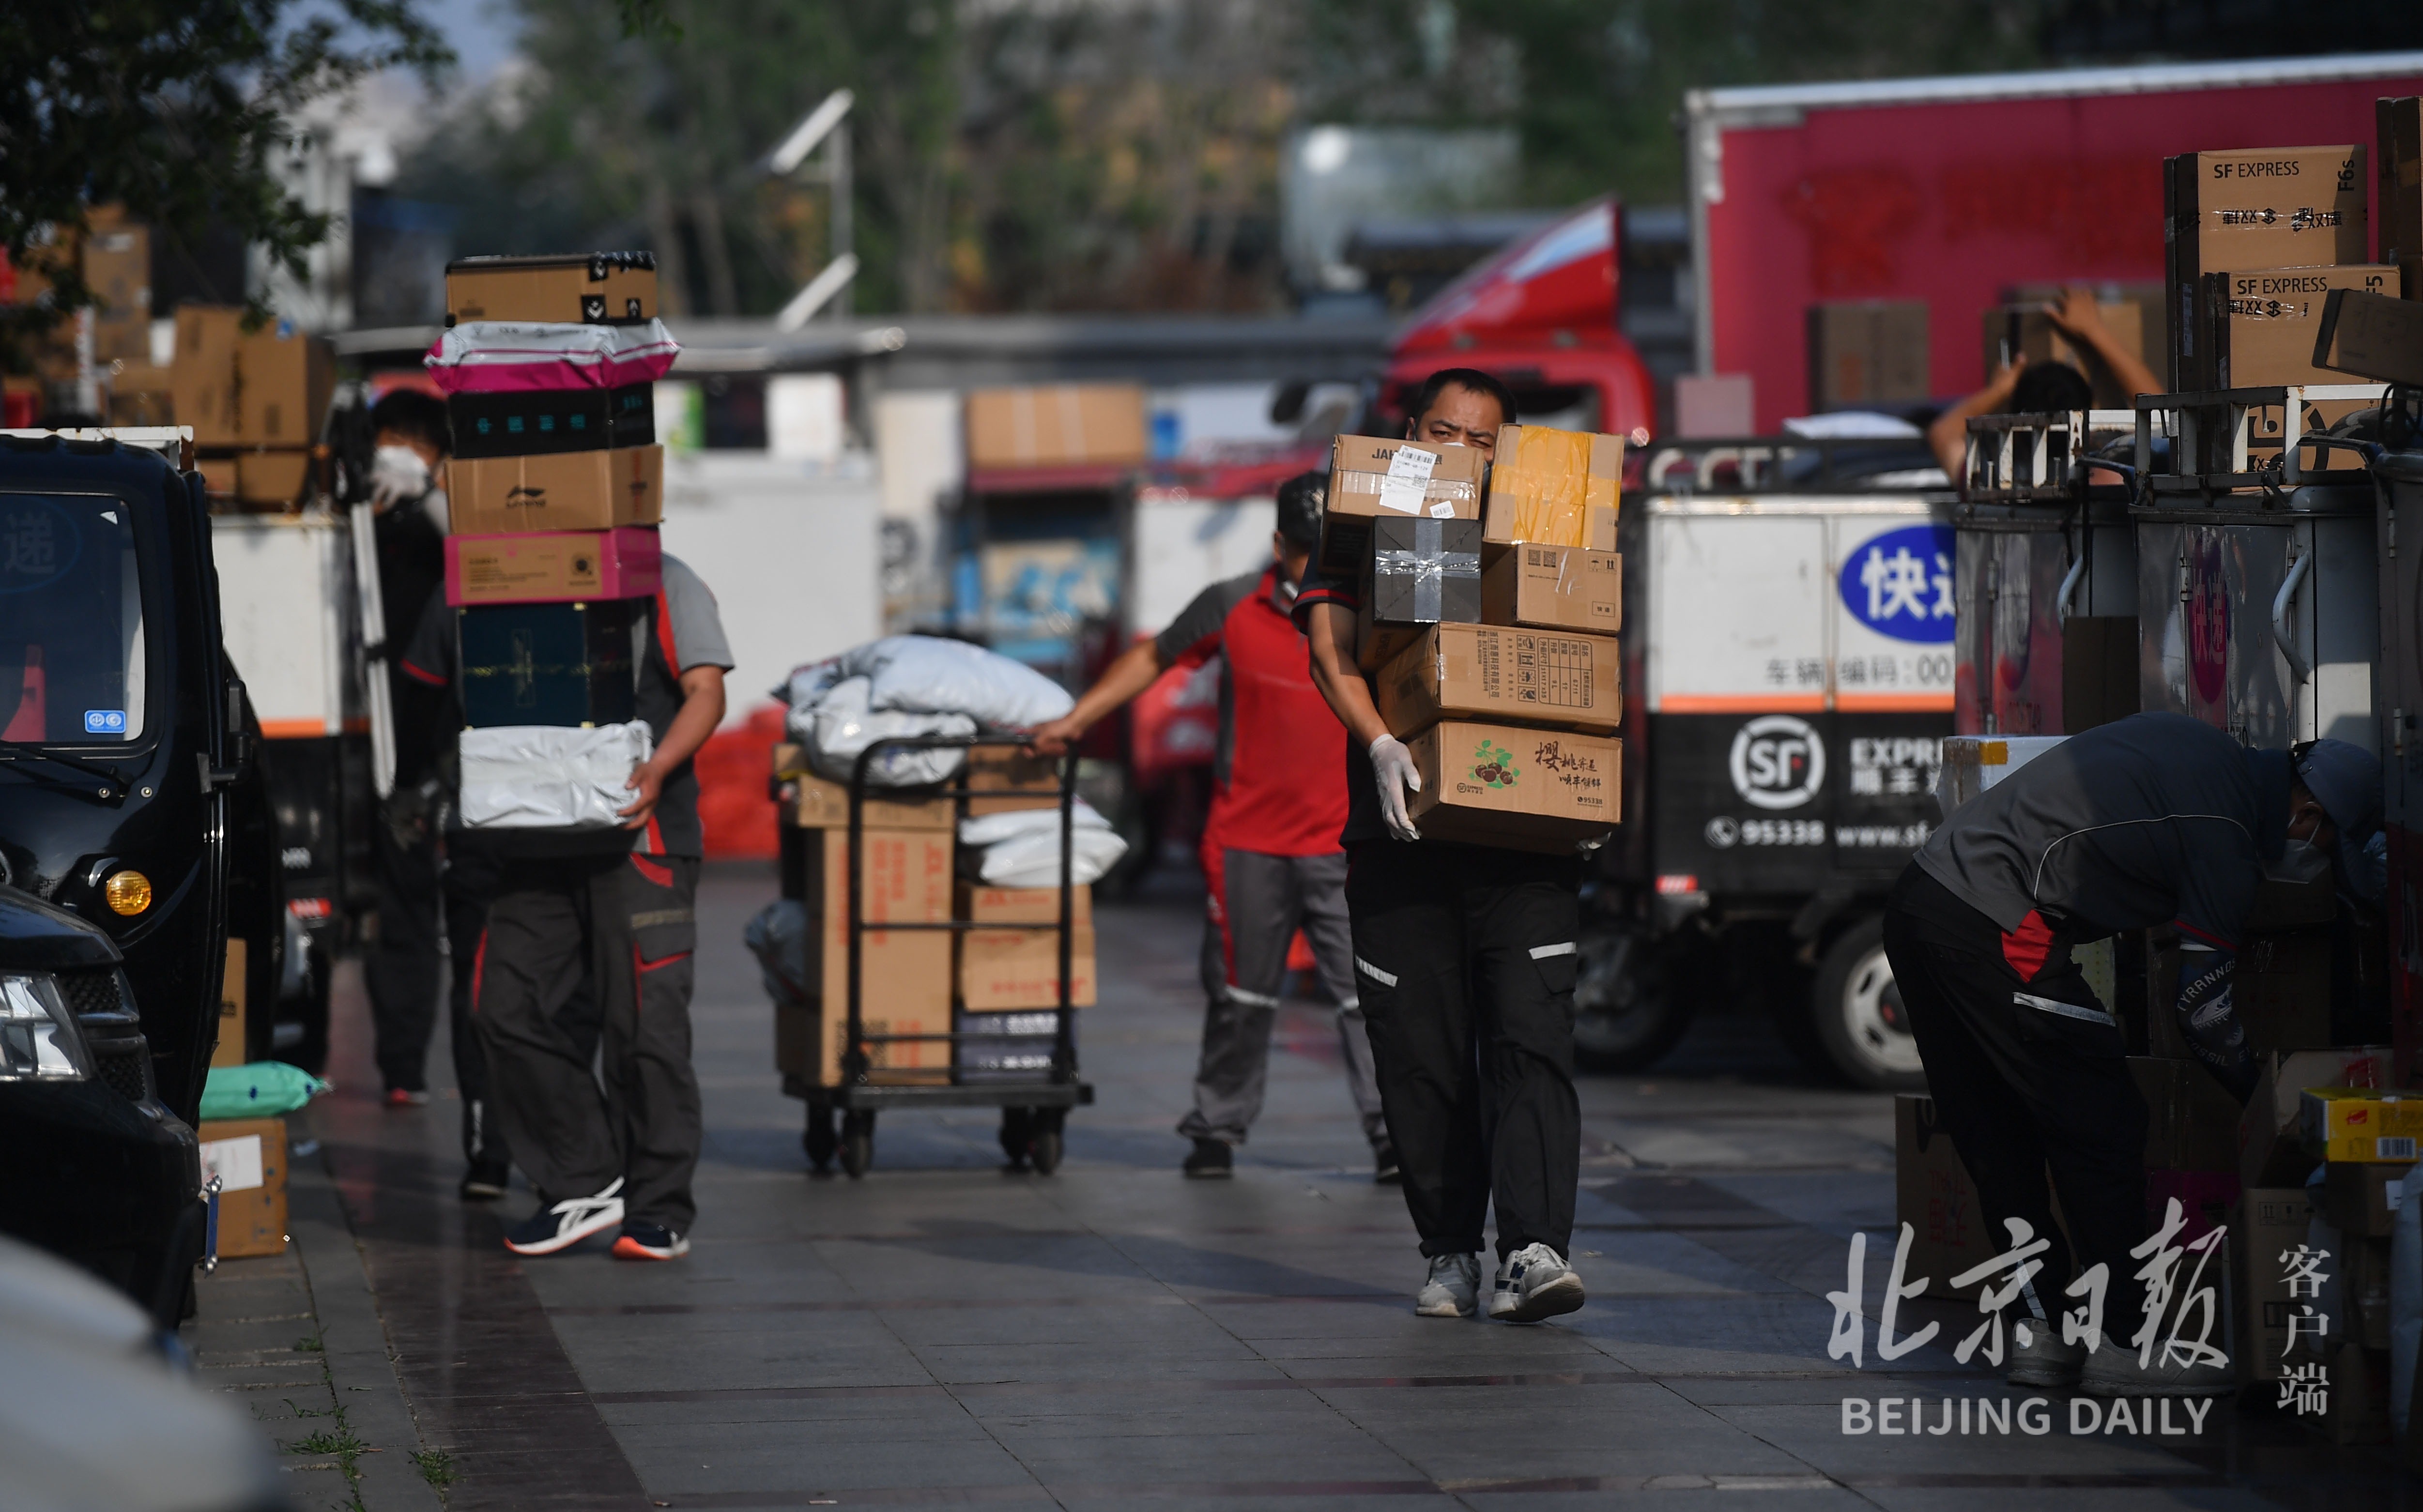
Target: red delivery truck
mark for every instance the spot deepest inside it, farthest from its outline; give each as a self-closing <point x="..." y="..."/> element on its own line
<point x="1884" y="217"/>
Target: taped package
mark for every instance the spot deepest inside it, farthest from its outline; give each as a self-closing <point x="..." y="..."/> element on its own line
<point x="550" y="776"/>
<point x="1554" y="488"/>
<point x="502" y="356"/>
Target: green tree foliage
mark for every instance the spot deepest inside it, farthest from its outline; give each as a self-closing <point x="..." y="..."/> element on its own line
<point x="173" y="109"/>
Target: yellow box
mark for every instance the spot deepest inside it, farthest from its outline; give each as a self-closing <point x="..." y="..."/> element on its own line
<point x="2360" y="1124"/>
<point x="1554" y="488"/>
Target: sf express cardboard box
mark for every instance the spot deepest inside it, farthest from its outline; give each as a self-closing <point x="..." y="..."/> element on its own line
<point x="904" y="985"/>
<point x="1061" y="425"/>
<point x="2369" y="336"/>
<point x="1486" y="671"/>
<point x="592" y="289"/>
<point x="813" y="802"/>
<point x="1555" y="588"/>
<point x="1867" y="351"/>
<point x="2269" y="1152"/>
<point x="284" y="380"/>
<point x="248" y="1155"/>
<point x="1554" y="488"/>
<point x="1006" y="969"/>
<point x="2287" y="207"/>
<point x="202" y="378"/>
<point x="1370" y="478"/>
<point x="553" y="566"/>
<point x="2263" y="324"/>
<point x="1515" y="788"/>
<point x="562" y="491"/>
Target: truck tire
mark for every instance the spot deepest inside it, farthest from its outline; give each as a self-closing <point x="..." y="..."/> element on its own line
<point x="1627" y="1010"/>
<point x="1857" y="1014"/>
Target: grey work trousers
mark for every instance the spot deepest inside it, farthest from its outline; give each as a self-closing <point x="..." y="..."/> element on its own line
<point x="1254" y="905"/>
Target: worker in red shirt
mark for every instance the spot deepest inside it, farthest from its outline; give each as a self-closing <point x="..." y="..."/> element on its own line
<point x="1271" y="854"/>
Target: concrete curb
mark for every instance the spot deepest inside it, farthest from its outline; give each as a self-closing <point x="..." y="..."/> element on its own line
<point x="361" y="1369"/>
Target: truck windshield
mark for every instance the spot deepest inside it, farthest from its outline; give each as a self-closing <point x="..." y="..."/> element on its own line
<point x="72" y="664"/>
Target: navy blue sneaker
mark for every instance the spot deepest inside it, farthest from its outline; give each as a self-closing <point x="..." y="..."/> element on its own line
<point x="567" y="1222"/>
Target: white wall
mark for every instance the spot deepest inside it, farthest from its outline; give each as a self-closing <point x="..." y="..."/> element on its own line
<point x="794" y="558"/>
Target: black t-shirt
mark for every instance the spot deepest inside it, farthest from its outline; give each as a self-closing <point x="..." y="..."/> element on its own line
<point x="1363" y="820"/>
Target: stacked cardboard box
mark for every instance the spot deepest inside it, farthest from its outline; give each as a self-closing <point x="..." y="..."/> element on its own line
<point x="255" y="400"/>
<point x="1488" y="622"/>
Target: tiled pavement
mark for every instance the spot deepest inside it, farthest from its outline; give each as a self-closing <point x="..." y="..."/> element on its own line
<point x="943" y="1333"/>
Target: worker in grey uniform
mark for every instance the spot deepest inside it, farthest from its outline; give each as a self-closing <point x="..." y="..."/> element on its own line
<point x="2155" y="820"/>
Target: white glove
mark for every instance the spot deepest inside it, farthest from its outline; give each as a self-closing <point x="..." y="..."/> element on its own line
<point x="397" y="474"/>
<point x="1392" y="766"/>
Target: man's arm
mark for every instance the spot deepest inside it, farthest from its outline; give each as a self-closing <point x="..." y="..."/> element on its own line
<point x="1948" y="438"/>
<point x="701" y="710"/>
<point x="1134" y="671"/>
<point x="1330" y="633"/>
<point x="2082" y="323"/>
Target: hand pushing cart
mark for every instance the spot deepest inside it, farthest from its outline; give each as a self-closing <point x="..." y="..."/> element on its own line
<point x="1035" y="1106"/>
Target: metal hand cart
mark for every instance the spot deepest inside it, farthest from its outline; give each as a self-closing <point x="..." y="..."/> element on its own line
<point x="1033" y="1111"/>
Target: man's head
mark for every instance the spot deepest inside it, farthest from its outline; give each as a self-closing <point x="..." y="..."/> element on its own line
<point x="1298" y="535"/>
<point x="1460" y="407"/>
<point x="410" y="418"/>
<point x="2050" y="388"/>
<point x="2334" y="807"/>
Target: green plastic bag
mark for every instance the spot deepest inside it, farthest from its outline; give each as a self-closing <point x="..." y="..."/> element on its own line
<point x="264" y="1089"/>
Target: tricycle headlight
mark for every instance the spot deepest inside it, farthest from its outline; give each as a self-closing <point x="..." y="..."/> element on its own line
<point x="40" y="1040"/>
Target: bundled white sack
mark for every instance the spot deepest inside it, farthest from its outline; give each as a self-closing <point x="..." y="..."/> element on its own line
<point x="545" y="777"/>
<point x="840" y="726"/>
<point x="928" y="674"/>
<point x="1021" y="848"/>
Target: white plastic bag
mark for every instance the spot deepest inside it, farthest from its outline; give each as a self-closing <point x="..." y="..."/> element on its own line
<point x="1021" y="848"/>
<point x="841" y="725"/>
<point x="548" y="777"/>
<point x="928" y="674"/>
<point x="508" y="357"/>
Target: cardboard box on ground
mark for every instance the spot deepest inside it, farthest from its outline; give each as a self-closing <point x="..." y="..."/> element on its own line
<point x="1063" y="425"/>
<point x="248" y="1155"/>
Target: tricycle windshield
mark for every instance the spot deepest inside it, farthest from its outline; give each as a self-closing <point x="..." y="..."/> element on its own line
<point x="72" y="661"/>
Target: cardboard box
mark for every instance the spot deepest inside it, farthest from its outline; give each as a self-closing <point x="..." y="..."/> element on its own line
<point x="284" y="381"/>
<point x="1868" y="351"/>
<point x="1494" y="672"/>
<point x="1554" y="488"/>
<point x="2267" y="1221"/>
<point x="567" y="665"/>
<point x="1375" y="644"/>
<point x="2361" y="1201"/>
<point x="2371" y="337"/>
<point x="564" y="490"/>
<point x="1061" y="425"/>
<point x="1424" y="571"/>
<point x="1024" y="782"/>
<point x="552" y="566"/>
<point x="117" y="270"/>
<point x="597" y="289"/>
<point x="2282" y="990"/>
<point x="812" y="802"/>
<point x="1370" y="477"/>
<point x="248" y="1155"/>
<point x="904" y="985"/>
<point x="2269" y="1151"/>
<point x="202" y="378"/>
<point x="273" y="478"/>
<point x="1515" y="789"/>
<point x="538" y="421"/>
<point x="2193" y="1122"/>
<point x="229" y="1051"/>
<point x="1001" y="969"/>
<point x="2286" y="206"/>
<point x="1934" y="1195"/>
<point x="2027" y="330"/>
<point x="219" y="477"/>
<point x="2359" y="1125"/>
<point x="141" y="394"/>
<point x="2263" y="324"/>
<point x="1555" y="588"/>
<point x="2398" y="153"/>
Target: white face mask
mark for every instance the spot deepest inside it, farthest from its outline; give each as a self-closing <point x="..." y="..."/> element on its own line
<point x="2301" y="861"/>
<point x="397" y="476"/>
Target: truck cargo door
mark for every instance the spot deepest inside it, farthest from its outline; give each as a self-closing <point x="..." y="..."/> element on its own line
<point x="1738" y="613"/>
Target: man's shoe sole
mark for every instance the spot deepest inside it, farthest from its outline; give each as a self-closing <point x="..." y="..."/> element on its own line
<point x="1558" y="1298"/>
<point x="627" y="1247"/>
<point x="566" y="1241"/>
<point x="1450" y="1310"/>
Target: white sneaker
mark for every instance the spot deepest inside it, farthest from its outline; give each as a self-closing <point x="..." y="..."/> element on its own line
<point x="567" y="1222"/>
<point x="1534" y="1284"/>
<point x="1453" y="1289"/>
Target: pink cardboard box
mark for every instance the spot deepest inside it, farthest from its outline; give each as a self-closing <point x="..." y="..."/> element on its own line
<point x="553" y="566"/>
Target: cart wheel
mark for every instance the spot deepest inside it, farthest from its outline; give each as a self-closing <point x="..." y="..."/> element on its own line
<point x="857" y="1143"/>
<point x="1043" y="1148"/>
<point x="1017" y="1128"/>
<point x="818" y="1140"/>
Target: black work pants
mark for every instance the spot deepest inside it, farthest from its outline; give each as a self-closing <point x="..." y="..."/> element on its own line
<point x="629" y="924"/>
<point x="401" y="969"/>
<point x="2026" y="1079"/>
<point x="1465" y="959"/>
<point x="470" y="883"/>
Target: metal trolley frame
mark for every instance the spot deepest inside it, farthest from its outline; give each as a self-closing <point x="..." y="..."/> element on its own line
<point x="1033" y="1113"/>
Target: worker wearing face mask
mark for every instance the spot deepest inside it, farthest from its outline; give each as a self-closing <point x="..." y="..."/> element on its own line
<point x="2152" y="821"/>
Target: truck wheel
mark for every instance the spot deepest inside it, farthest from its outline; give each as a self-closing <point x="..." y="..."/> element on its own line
<point x="1627" y="1010"/>
<point x="1859" y="1016"/>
